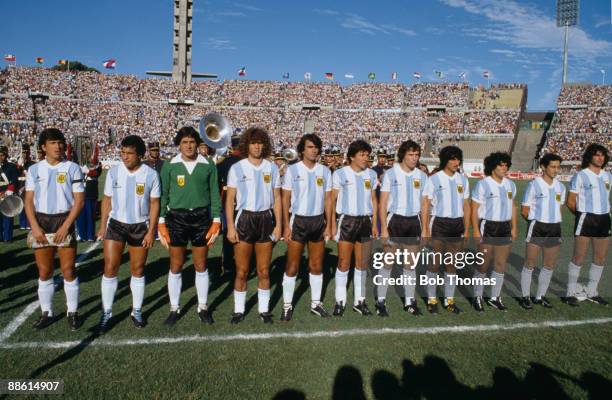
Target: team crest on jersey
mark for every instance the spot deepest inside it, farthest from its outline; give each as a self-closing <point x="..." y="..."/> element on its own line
<point x="558" y="196"/>
<point x="140" y="187"/>
<point x="607" y="183"/>
<point x="460" y="188"/>
<point x="319" y="181"/>
<point x="509" y="195"/>
<point x="267" y="177"/>
<point x="368" y="184"/>
<point x="416" y="183"/>
<point x="61" y="177"/>
<point x="180" y="180"/>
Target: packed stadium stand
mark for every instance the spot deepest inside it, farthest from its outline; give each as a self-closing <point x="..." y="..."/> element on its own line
<point x="108" y="107"/>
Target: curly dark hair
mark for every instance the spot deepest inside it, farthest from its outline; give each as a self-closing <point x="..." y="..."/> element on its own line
<point x="136" y="142"/>
<point x="316" y="140"/>
<point x="51" y="134"/>
<point x="187" y="131"/>
<point x="450" y="153"/>
<point x="357" y="146"/>
<point x="255" y="135"/>
<point x="406" y="146"/>
<point x="590" y="151"/>
<point x="494" y="159"/>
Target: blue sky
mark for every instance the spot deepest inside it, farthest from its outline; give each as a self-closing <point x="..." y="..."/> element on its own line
<point x="516" y="40"/>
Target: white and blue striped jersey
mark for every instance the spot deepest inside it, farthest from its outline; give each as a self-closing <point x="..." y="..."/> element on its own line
<point x="308" y="187"/>
<point x="53" y="185"/>
<point x="593" y="191"/>
<point x="355" y="191"/>
<point x="544" y="201"/>
<point x="405" y="190"/>
<point x="495" y="199"/>
<point x="447" y="194"/>
<point x="254" y="185"/>
<point x="130" y="192"/>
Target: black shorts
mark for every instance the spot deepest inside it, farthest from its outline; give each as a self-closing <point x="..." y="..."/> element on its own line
<point x="255" y="226"/>
<point x="133" y="234"/>
<point x="307" y="229"/>
<point x="186" y="226"/>
<point x="592" y="225"/>
<point x="354" y="228"/>
<point x="496" y="232"/>
<point x="543" y="234"/>
<point x="448" y="229"/>
<point x="404" y="230"/>
<point x="50" y="223"/>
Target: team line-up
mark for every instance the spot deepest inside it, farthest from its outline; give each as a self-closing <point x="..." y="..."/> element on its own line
<point x="182" y="204"/>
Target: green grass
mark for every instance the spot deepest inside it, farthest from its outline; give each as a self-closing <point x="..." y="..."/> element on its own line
<point x="569" y="362"/>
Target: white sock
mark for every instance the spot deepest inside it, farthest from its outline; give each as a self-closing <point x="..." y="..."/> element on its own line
<point x="499" y="282"/>
<point x="594" y="276"/>
<point x="409" y="289"/>
<point x="381" y="290"/>
<point x="316" y="285"/>
<point x="137" y="286"/>
<point x="175" y="282"/>
<point x="543" y="282"/>
<point x="239" y="301"/>
<point x="71" y="289"/>
<point x="478" y="288"/>
<point x="449" y="285"/>
<point x="341" y="280"/>
<point x="359" y="286"/>
<point x="45" y="295"/>
<point x="263" y="300"/>
<point x="202" y="282"/>
<point x="288" y="289"/>
<point x="573" y="272"/>
<point x="431" y="289"/>
<point x="108" y="288"/>
<point x="526" y="281"/>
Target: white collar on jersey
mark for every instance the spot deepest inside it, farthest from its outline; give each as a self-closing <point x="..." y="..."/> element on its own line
<point x="178" y="158"/>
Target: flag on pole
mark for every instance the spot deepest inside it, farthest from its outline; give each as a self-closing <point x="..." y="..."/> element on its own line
<point x="40" y="60"/>
<point x="462" y="75"/>
<point x="10" y="58"/>
<point x="63" y="62"/>
<point x="242" y="71"/>
<point x="372" y="76"/>
<point x="438" y="74"/>
<point x="349" y="76"/>
<point x="486" y="74"/>
<point x="110" y="64"/>
<point x="286" y="75"/>
<point x="394" y="76"/>
<point x="329" y="75"/>
<point x="307" y="76"/>
<point x="417" y="75"/>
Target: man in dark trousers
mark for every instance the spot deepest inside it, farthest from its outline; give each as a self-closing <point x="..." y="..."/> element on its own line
<point x="8" y="186"/>
<point x="22" y="169"/>
<point x="86" y="221"/>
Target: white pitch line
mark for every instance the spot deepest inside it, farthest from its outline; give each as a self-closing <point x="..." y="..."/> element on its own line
<point x="29" y="310"/>
<point x="306" y="335"/>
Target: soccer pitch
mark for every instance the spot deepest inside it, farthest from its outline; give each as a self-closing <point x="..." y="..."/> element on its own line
<point x="561" y="352"/>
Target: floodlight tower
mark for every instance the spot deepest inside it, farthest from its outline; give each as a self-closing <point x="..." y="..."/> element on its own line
<point x="567" y="15"/>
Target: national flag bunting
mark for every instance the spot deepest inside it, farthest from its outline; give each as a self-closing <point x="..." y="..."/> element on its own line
<point x="372" y="76"/>
<point x="462" y="75"/>
<point x="62" y="62"/>
<point x="40" y="60"/>
<point x="10" y="58"/>
<point x="438" y="74"/>
<point x="486" y="74"/>
<point x="286" y="75"/>
<point x="242" y="71"/>
<point x="307" y="76"/>
<point x="394" y="76"/>
<point x="417" y="75"/>
<point x="110" y="64"/>
<point x="329" y="75"/>
<point x="349" y="76"/>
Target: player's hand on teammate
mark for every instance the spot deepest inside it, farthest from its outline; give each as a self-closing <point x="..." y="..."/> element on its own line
<point x="149" y="239"/>
<point x="164" y="235"/>
<point x="213" y="233"/>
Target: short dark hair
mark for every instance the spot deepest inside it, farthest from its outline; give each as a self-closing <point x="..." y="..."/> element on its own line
<point x="252" y="135"/>
<point x="51" y="134"/>
<point x="590" y="151"/>
<point x="311" y="137"/>
<point x="406" y="146"/>
<point x="357" y="146"/>
<point x="494" y="159"/>
<point x="450" y="153"/>
<point x="548" y="158"/>
<point x="136" y="142"/>
<point x="187" y="131"/>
